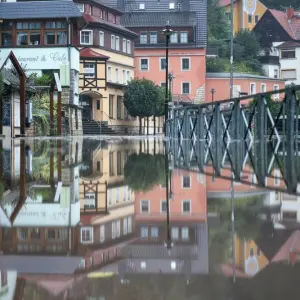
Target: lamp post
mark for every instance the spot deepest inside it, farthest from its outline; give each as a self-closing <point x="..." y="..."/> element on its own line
<point x="167" y="32"/>
<point x="212" y="94"/>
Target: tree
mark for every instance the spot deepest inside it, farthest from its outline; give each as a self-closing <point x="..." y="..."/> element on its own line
<point x="139" y="96"/>
<point x="144" y="171"/>
<point x="159" y="105"/>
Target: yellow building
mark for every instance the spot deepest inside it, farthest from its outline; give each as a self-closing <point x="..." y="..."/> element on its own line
<point x="246" y="13"/>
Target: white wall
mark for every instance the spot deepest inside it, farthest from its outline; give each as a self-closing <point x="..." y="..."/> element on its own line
<point x="7" y="291"/>
<point x="287" y="64"/>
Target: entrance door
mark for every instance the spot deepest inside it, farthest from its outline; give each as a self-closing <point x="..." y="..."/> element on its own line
<point x="86" y="102"/>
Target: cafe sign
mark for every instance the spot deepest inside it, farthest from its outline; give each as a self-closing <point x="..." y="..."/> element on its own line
<point x="42" y="59"/>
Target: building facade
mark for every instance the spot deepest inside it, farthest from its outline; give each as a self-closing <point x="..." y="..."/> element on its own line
<point x="187" y="43"/>
<point x="279" y="35"/>
<point x="246" y="13"/>
<point x="43" y="37"/>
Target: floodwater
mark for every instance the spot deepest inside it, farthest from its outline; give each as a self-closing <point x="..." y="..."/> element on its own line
<point x="143" y="219"/>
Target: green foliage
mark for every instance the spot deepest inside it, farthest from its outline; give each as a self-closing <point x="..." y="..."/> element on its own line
<point x="1" y="84"/>
<point x="274" y="106"/>
<point x="44" y="80"/>
<point x="159" y="104"/>
<point x="144" y="171"/>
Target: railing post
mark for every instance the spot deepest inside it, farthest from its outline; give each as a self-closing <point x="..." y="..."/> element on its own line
<point x="186" y="124"/>
<point x="237" y="119"/>
<point x="217" y="138"/>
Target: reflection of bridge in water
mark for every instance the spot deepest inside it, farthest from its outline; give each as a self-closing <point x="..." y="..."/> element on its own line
<point x="259" y="138"/>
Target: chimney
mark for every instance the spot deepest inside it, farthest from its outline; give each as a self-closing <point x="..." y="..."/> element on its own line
<point x="290" y="13"/>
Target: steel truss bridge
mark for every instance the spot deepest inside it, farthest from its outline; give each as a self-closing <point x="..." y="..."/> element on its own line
<point x="249" y="141"/>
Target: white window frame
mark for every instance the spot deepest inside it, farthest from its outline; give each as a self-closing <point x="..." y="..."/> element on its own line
<point x="252" y="84"/>
<point x="118" y="226"/>
<point x="185" y="70"/>
<point x="117" y="43"/>
<point x="175" y="237"/>
<point x="124" y="78"/>
<point x="102" y="233"/>
<point x="148" y="69"/>
<point x="91" y="37"/>
<point x="128" y="47"/>
<point x="109" y="74"/>
<point x="160" y="59"/>
<point x="154" y="228"/>
<point x="151" y="32"/>
<point x="175" y="33"/>
<point x="188" y="233"/>
<point x="182" y="181"/>
<point x="189" y="87"/>
<point x="142" y="6"/>
<point x="172" y="5"/>
<point x="261" y="88"/>
<point x="101" y="38"/>
<point x="146" y="228"/>
<point x="140" y="41"/>
<point x="142" y="212"/>
<point x="128" y="76"/>
<point x="124" y="45"/>
<point x="91" y="229"/>
<point x="182" y="202"/>
<point x="129" y="225"/>
<point x="125" y="226"/>
<point x="289" y="70"/>
<point x="187" y="37"/>
<point x="113" y="230"/>
<point x="117" y="189"/>
<point x="161" y="202"/>
<point x="90" y="65"/>
<point x="113" y="42"/>
<point x="80" y="6"/>
<point x="275" y="96"/>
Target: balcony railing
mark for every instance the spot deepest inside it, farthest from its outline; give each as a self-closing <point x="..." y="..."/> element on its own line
<point x="270" y="60"/>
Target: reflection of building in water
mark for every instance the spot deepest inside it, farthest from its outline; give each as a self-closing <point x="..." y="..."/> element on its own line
<point x="45" y="221"/>
<point x="8" y="282"/>
<point x="188" y="230"/>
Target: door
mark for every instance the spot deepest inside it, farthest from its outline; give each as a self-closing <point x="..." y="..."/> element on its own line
<point x="86" y="102"/>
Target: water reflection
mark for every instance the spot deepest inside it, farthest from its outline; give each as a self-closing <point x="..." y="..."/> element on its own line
<point x="87" y="219"/>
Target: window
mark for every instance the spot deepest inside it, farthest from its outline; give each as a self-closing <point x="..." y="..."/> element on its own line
<point x="185" y="64"/>
<point x="117" y="194"/>
<point x="118" y="228"/>
<point x="124" y="45"/>
<point x="183" y="37"/>
<point x="186" y="206"/>
<point x="185" y="234"/>
<point x="142" y="6"/>
<point x="89" y="200"/>
<point x="125" y="226"/>
<point x="186" y="182"/>
<point x="288" y="54"/>
<point x="129" y="223"/>
<point x="175" y="233"/>
<point x="80" y="6"/>
<point x="256" y="19"/>
<point x="249" y="18"/>
<point x="102" y="233"/>
<point x="276" y="73"/>
<point x="101" y="38"/>
<point x="56" y="33"/>
<point x="109" y="74"/>
<point x="113" y="230"/>
<point x="117" y="43"/>
<point x="111" y="164"/>
<point x="162" y="63"/>
<point x="153" y="37"/>
<point x="98" y="104"/>
<point x="236" y="91"/>
<point x="86" y="234"/>
<point x="6" y="37"/>
<point x="172" y="5"/>
<point x="289" y="74"/>
<point x="144" y="232"/>
<point x="276" y="88"/>
<point x="117" y="75"/>
<point x="112" y="42"/>
<point x="163" y="206"/>
<point x="98" y="166"/>
<point x="144" y="64"/>
<point x="174" y="38"/>
<point x="252" y="88"/>
<point x="289" y="215"/>
<point x="124" y="76"/>
<point x="119" y="168"/>
<point x="86" y="37"/>
<point x="23" y="234"/>
<point x="145" y="206"/>
<point x="128" y="76"/>
<point x="29" y="33"/>
<point x="128" y="47"/>
<point x="263" y="87"/>
<point x="154" y="232"/>
<point x="228" y="15"/>
<point x="111" y="106"/>
<point x="162" y="84"/>
<point x="119" y="107"/>
<point x="185" y="88"/>
<point x="89" y="70"/>
<point x="143" y="38"/>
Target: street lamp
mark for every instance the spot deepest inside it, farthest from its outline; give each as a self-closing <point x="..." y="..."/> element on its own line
<point x="212" y="94"/>
<point x="167" y="32"/>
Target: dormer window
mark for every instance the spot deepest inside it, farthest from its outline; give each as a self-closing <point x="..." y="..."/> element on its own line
<point x="80" y="6"/>
<point x="142" y="6"/>
<point x="172" y="5"/>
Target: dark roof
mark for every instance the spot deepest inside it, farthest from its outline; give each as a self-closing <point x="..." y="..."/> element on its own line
<point x="89" y="53"/>
<point x="158" y="19"/>
<point x="38" y="9"/>
<point x="94" y="20"/>
<point x="290" y="44"/>
<point x="11" y="79"/>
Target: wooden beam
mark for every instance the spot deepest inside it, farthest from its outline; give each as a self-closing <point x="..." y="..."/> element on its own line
<point x="51" y="113"/>
<point x="59" y="113"/>
<point x="22" y="104"/>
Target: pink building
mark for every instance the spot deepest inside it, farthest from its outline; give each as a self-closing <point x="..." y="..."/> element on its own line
<point x="243" y="83"/>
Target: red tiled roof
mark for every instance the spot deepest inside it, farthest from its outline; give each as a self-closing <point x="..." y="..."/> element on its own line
<point x="181" y="98"/>
<point x="89" y="53"/>
<point x="292" y="27"/>
<point x="224" y="2"/>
